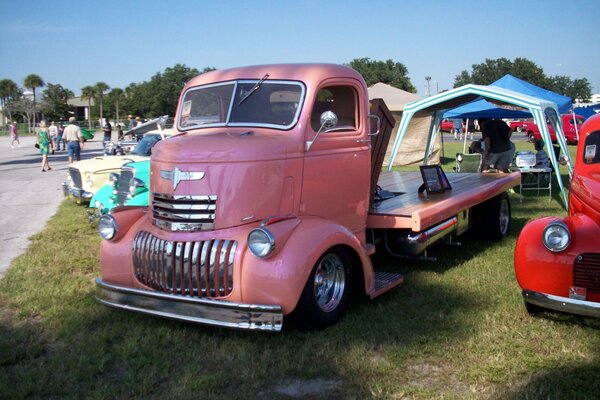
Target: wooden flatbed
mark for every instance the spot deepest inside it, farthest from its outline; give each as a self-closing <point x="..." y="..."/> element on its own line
<point x="419" y="211"/>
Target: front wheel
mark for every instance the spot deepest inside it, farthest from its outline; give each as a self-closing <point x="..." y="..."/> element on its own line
<point x="326" y="294"/>
<point x="531" y="137"/>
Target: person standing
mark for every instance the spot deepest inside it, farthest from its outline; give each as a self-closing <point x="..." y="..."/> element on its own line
<point x="61" y="130"/>
<point x="74" y="140"/>
<point x="138" y="121"/>
<point x="53" y="130"/>
<point x="119" y="132"/>
<point x="457" y="127"/>
<point x="498" y="151"/>
<point x="14" y="135"/>
<point x="44" y="143"/>
<point x="107" y="128"/>
<point x="130" y="122"/>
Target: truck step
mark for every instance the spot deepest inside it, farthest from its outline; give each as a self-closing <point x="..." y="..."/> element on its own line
<point x="385" y="281"/>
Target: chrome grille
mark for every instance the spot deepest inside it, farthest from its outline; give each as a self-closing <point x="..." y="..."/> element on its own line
<point x="184" y="213"/>
<point x="586" y="272"/>
<point x="199" y="269"/>
<point x="75" y="177"/>
<point x="122" y="186"/>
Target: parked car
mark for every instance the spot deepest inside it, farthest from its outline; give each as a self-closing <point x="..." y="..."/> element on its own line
<point x="86" y="177"/>
<point x="570" y="126"/>
<point x="447" y="125"/>
<point x="557" y="260"/>
<point x="133" y="136"/>
<point x="128" y="187"/>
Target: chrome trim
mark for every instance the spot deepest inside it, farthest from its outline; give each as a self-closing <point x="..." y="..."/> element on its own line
<point x="564" y="304"/>
<point x="178" y="175"/>
<point x="184" y="227"/>
<point x="202" y="207"/>
<point x="184" y="213"/>
<point x="183" y="308"/>
<point x="212" y="197"/>
<point x="80" y="194"/>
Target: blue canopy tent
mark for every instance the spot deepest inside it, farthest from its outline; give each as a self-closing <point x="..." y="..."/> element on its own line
<point x="563" y="103"/>
<point x="484" y="109"/>
<point x="439" y="104"/>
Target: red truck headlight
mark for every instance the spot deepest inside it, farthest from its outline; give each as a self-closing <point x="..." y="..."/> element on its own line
<point x="261" y="242"/>
<point x="107" y="227"/>
<point x="556" y="236"/>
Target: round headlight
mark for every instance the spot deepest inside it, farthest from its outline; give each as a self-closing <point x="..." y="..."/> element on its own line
<point x="261" y="242"/>
<point x="107" y="227"/>
<point x="556" y="236"/>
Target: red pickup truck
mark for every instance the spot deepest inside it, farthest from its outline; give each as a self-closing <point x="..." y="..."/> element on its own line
<point x="570" y="128"/>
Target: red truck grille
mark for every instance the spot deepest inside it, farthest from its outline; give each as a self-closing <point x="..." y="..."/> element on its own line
<point x="199" y="269"/>
<point x="586" y="272"/>
<point x="184" y="213"/>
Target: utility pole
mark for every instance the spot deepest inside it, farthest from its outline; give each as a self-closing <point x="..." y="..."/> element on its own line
<point x="428" y="91"/>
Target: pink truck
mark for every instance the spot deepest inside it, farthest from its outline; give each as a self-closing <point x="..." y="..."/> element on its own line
<point x="571" y="126"/>
<point x="269" y="201"/>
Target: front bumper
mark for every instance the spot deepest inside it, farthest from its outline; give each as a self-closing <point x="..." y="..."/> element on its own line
<point x="564" y="304"/>
<point x="79" y="194"/>
<point x="201" y="311"/>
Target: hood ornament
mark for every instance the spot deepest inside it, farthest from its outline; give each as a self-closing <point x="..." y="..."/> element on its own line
<point x="178" y="175"/>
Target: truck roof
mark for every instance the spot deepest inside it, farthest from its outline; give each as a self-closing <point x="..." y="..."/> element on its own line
<point x="310" y="74"/>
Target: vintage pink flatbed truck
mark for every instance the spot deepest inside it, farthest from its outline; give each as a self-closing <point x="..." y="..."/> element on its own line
<point x="269" y="202"/>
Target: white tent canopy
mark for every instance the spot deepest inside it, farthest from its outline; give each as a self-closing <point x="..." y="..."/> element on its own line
<point x="540" y="109"/>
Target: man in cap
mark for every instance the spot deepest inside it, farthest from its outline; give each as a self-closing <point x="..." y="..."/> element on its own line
<point x="72" y="136"/>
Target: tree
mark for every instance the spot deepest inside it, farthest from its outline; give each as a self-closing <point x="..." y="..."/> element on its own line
<point x="55" y="102"/>
<point x="8" y="91"/>
<point x="100" y="88"/>
<point x="522" y="68"/>
<point x="115" y="96"/>
<point x="33" y="81"/>
<point x="88" y="92"/>
<point x="389" y="72"/>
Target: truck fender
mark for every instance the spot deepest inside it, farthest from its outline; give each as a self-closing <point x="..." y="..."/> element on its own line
<point x="126" y="217"/>
<point x="280" y="278"/>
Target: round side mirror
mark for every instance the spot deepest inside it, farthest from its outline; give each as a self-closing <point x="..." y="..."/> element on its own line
<point x="328" y="120"/>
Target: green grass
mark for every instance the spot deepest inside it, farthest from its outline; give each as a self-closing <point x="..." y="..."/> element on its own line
<point x="457" y="328"/>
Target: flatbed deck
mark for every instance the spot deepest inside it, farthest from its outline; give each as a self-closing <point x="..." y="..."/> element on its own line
<point x="410" y="209"/>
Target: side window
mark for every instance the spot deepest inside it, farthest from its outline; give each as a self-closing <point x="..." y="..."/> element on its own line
<point x="339" y="99"/>
<point x="591" y="151"/>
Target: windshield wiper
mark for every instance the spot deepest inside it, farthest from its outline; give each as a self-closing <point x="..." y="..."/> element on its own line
<point x="254" y="88"/>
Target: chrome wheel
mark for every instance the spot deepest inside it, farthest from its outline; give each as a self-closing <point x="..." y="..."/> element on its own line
<point x="329" y="282"/>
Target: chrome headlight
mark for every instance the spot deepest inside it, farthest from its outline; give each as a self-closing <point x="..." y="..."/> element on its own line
<point x="135" y="183"/>
<point x="261" y="242"/>
<point x="556" y="236"/>
<point x="107" y="227"/>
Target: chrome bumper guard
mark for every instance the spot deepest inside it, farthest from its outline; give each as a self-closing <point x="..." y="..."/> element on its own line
<point x="201" y="311"/>
<point x="79" y="194"/>
<point x="564" y="304"/>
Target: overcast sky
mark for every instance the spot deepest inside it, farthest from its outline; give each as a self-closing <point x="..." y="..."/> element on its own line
<point x="79" y="43"/>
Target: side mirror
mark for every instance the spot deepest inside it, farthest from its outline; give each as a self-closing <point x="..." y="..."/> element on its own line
<point x="328" y="121"/>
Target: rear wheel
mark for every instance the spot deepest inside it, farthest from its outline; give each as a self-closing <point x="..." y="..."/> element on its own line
<point x="326" y="294"/>
<point x="492" y="218"/>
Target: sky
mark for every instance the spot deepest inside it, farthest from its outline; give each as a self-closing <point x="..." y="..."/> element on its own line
<point x="78" y="43"/>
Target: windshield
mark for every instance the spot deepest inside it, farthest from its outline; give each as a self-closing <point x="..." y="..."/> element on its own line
<point x="274" y="104"/>
<point x="144" y="146"/>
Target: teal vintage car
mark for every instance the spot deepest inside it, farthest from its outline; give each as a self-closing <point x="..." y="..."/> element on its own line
<point x="128" y="187"/>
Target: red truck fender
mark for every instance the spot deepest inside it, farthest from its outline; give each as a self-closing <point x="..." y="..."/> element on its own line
<point x="299" y="242"/>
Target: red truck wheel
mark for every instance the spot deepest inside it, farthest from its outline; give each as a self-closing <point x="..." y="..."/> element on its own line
<point x="326" y="294"/>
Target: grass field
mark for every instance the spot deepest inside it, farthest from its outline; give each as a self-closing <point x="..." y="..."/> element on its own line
<point x="457" y="328"/>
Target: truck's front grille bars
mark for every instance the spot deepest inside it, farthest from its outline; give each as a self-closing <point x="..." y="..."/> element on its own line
<point x="184" y="213"/>
<point x="198" y="269"/>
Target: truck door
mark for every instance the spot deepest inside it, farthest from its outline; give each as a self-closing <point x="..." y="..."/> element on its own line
<point x="337" y="165"/>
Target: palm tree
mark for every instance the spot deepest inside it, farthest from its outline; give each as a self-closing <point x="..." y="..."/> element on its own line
<point x="88" y="92"/>
<point x="33" y="81"/>
<point x="116" y="94"/>
<point x="100" y="88"/>
<point x="8" y="90"/>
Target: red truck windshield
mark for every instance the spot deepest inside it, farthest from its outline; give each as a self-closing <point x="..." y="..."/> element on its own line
<point x="265" y="103"/>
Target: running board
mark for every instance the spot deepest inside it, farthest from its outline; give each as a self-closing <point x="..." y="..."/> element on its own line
<point x="385" y="281"/>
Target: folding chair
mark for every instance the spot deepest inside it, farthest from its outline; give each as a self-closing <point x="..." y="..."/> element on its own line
<point x="468" y="162"/>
